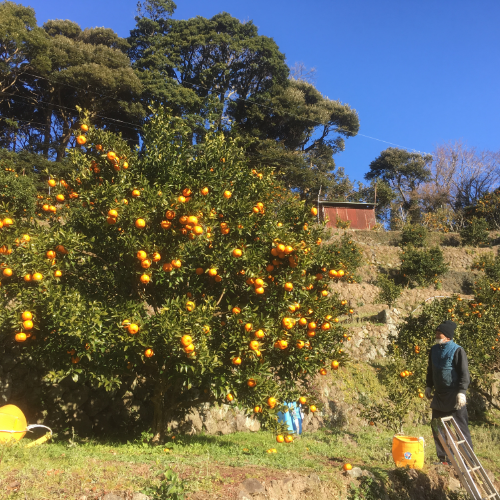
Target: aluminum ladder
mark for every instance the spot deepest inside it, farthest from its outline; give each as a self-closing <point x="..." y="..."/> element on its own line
<point x="470" y="471"/>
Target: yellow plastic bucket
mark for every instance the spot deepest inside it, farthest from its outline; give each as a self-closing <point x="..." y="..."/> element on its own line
<point x="12" y="423"/>
<point x="408" y="451"/>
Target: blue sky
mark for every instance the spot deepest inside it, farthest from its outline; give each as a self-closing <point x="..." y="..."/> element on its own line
<point x="419" y="73"/>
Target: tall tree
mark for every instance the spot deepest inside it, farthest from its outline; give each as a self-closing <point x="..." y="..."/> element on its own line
<point x="460" y="176"/>
<point x="224" y="69"/>
<point x="298" y="131"/>
<point x="82" y="68"/>
<point x="404" y="172"/>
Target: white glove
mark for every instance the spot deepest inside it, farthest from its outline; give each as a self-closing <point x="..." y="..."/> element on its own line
<point x="461" y="401"/>
<point x="427" y="393"/>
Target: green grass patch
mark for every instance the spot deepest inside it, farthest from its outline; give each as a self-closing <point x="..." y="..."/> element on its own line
<point x="63" y="469"/>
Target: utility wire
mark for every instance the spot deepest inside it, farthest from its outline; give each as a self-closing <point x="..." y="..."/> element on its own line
<point x="236" y="98"/>
<point x="42" y="103"/>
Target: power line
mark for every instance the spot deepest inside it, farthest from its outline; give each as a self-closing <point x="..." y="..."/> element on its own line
<point x="42" y="103"/>
<point x="236" y="98"/>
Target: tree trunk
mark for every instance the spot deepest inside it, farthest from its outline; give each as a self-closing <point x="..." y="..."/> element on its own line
<point x="160" y="417"/>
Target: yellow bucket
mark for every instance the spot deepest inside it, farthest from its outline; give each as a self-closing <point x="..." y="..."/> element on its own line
<point x="12" y="423"/>
<point x="408" y="451"/>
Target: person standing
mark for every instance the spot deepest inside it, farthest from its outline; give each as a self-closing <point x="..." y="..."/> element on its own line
<point x="448" y="374"/>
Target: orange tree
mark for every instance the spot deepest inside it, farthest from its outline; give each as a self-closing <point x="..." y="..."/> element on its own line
<point x="478" y="333"/>
<point x="180" y="264"/>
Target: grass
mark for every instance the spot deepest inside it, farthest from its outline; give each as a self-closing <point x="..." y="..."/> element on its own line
<point x="213" y="464"/>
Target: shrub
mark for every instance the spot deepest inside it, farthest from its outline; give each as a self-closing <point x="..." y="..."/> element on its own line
<point x="475" y="232"/>
<point x="389" y="291"/>
<point x="182" y="267"/>
<point x="340" y="255"/>
<point x="413" y="235"/>
<point x="490" y="264"/>
<point x="422" y="266"/>
<point x="342" y="224"/>
<point x="404" y="376"/>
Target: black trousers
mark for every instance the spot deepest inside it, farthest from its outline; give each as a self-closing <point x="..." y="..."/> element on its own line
<point x="461" y="418"/>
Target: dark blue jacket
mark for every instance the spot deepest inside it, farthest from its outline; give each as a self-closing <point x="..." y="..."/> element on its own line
<point x="448" y="373"/>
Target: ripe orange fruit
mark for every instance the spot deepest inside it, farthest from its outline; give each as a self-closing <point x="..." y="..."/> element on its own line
<point x="181" y="199"/>
<point x="189" y="349"/>
<point x="186" y="340"/>
<point x="57" y="274"/>
<point x="98" y="147"/>
<point x="27" y="278"/>
<point x="259" y="290"/>
<point x="300" y="344"/>
<point x="335" y="365"/>
<point x="347" y="467"/>
<point x="311" y="333"/>
<point x="75" y="359"/>
<point x="187" y="192"/>
<point x="198" y="230"/>
<point x="254" y="345"/>
<point x="111" y="156"/>
<point x="229" y="397"/>
<point x="212" y="272"/>
<point x="26" y="316"/>
<point x="312" y="408"/>
<point x="288" y="323"/>
<point x="282" y="344"/>
<point x="288" y="439"/>
<point x="227" y="194"/>
<point x="314" y="211"/>
<point x="257" y="409"/>
<point x="236" y="310"/>
<point x="140" y="223"/>
<point x="237" y="361"/>
<point x="113" y="213"/>
<point x="302" y="321"/>
<point x="145" y="278"/>
<point x="141" y="255"/>
<point x="81" y="140"/>
<point x="7" y="272"/>
<point x="176" y="263"/>
<point x="60" y="197"/>
<point x="52" y="183"/>
<point x="288" y="287"/>
<point x="421" y="395"/>
<point x="259" y="334"/>
<point x="148" y="353"/>
<point x="237" y="252"/>
<point x="302" y="400"/>
<point x="84" y="128"/>
<point x="199" y="271"/>
<point x="323" y="371"/>
<point x="20" y="337"/>
<point x="271" y="402"/>
<point x="248" y="326"/>
<point x="168" y="267"/>
<point x="146" y="264"/>
<point x="156" y="257"/>
<point x="280" y="438"/>
<point x="204" y="191"/>
<point x="190" y="306"/>
<point x="251" y="382"/>
<point x="133" y="328"/>
<point x="51" y="254"/>
<point x="136" y="193"/>
<point x="28" y="324"/>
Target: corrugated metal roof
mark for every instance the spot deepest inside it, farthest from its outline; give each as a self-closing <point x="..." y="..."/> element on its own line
<point x="342" y="203"/>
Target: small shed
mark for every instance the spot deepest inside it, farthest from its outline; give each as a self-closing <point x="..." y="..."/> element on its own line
<point x="361" y="215"/>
